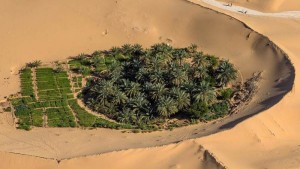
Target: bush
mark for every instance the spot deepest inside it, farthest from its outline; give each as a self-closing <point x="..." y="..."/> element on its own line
<point x="226" y="94"/>
<point x="220" y="108"/>
<point x="24" y="126"/>
<point x="7" y="109"/>
<point x="199" y="111"/>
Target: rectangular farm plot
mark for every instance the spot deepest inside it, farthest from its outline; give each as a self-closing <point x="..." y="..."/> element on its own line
<point x="60" y="117"/>
<point x="85" y="119"/>
<point x="27" y="116"/>
<point x="54" y="89"/>
<point x="77" y="83"/>
<point x="26" y="83"/>
<point x="37" y="117"/>
<point x="52" y="85"/>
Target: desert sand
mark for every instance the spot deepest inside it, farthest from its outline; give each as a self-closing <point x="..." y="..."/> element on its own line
<point x="267" y="140"/>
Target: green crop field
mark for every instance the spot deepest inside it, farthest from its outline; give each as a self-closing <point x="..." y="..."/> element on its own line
<point x="77" y="83"/>
<point x="60" y="117"/>
<point x="26" y="83"/>
<point x="53" y="103"/>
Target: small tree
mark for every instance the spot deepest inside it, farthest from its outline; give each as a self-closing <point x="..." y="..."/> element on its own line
<point x="34" y="64"/>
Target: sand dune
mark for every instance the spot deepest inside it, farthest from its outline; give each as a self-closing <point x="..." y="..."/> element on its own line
<point x="270" y="139"/>
<point x="71" y="28"/>
<point x="184" y="155"/>
<point x="179" y="21"/>
<point x="268" y="5"/>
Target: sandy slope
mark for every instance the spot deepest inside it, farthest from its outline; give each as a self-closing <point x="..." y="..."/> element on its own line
<point x="266" y="137"/>
<point x="268" y="5"/>
<point x="270" y="139"/>
<point x="185" y="155"/>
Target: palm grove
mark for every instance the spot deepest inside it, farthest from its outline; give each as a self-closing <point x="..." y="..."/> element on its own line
<point x="140" y="86"/>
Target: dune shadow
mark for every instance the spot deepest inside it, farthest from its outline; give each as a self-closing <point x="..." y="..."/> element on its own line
<point x="284" y="87"/>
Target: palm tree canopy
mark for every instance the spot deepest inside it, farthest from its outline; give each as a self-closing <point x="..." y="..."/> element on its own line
<point x="157" y="83"/>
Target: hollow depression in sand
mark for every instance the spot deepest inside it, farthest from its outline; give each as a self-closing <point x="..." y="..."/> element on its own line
<point x="55" y="30"/>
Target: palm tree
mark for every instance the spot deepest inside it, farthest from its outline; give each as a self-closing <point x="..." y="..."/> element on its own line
<point x="80" y="57"/>
<point x="34" y="64"/>
<point x="157" y="91"/>
<point x="181" y="97"/>
<point x="126" y="116"/>
<point x="162" y="51"/>
<point x="101" y="92"/>
<point x="166" y="107"/>
<point x="132" y="89"/>
<point x="127" y="49"/>
<point x="180" y="55"/>
<point x="155" y="63"/>
<point x="97" y="59"/>
<point x="155" y="83"/>
<point x="226" y="73"/>
<point x="137" y="49"/>
<point x="204" y="93"/>
<point x="115" y="50"/>
<point x="157" y="76"/>
<point x="178" y="77"/>
<point x="116" y="71"/>
<point x="200" y="73"/>
<point x="162" y="48"/>
<point x="192" y="49"/>
<point x="199" y="60"/>
<point x="213" y="62"/>
<point x="83" y="70"/>
<point x="119" y="97"/>
<point x="188" y="87"/>
<point x="97" y="53"/>
<point x="37" y="63"/>
<point x="142" y="75"/>
<point x="139" y="103"/>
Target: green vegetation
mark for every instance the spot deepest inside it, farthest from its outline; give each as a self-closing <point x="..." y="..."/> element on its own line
<point x="139" y="86"/>
<point x="139" y="89"/>
<point x="60" y="117"/>
<point x="85" y="119"/>
<point x="77" y="83"/>
<point x="7" y="109"/>
<point x="26" y="83"/>
<point x="52" y="85"/>
<point x="34" y="64"/>
<point x="53" y="99"/>
<point x="100" y="61"/>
